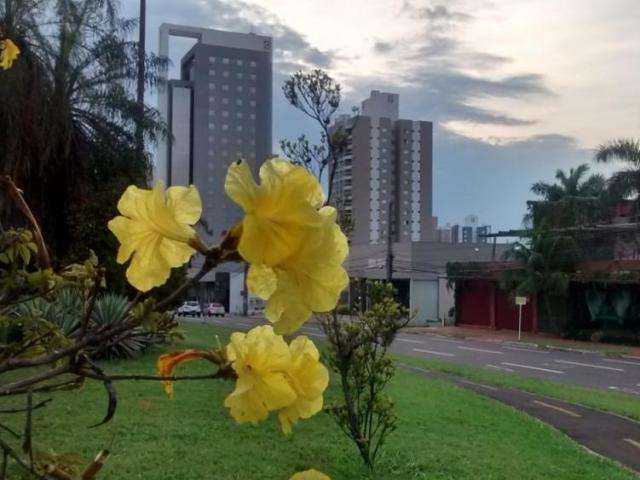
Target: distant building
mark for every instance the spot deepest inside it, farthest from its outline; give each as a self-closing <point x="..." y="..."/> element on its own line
<point x="384" y="178"/>
<point x="483" y="230"/>
<point x="467" y="235"/>
<point x="217" y="112"/>
<point x="455" y="233"/>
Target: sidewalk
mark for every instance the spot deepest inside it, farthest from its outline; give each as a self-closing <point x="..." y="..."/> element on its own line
<point x="541" y="340"/>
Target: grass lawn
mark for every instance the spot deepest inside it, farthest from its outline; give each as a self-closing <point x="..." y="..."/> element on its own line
<point x="444" y="433"/>
<point x="615" y="402"/>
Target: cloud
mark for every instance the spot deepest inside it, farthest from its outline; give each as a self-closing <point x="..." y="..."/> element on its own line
<point x="383" y="47"/>
<point x="442" y="13"/>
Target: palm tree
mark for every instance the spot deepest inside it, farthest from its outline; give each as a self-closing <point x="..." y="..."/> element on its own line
<point x="545" y="263"/>
<point x="571" y="185"/>
<point x="68" y="111"/>
<point x="571" y="199"/>
<point x="626" y="182"/>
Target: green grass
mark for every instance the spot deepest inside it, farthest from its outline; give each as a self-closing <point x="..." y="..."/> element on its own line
<point x="614" y="402"/>
<point x="444" y="432"/>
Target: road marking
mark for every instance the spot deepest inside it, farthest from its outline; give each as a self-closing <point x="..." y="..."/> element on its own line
<point x="481" y="350"/>
<point x="443" y="339"/>
<point x="488" y="387"/>
<point x="500" y="368"/>
<point x="559" y="409"/>
<point x="633" y="442"/>
<point x="590" y="365"/>
<point x="631" y="357"/>
<point x="444" y="354"/>
<point x="527" y="350"/>
<point x="533" y="368"/>
<point x="624" y="362"/>
<point x="409" y="341"/>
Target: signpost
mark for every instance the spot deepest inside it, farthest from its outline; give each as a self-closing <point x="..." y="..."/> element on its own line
<point x="520" y="301"/>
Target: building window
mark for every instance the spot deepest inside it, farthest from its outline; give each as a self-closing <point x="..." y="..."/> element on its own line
<point x="239" y="128"/>
<point x="212" y="86"/>
<point x="225" y="127"/>
<point x="225" y="61"/>
<point x="212" y="99"/>
<point x="239" y="63"/>
<point x="239" y="88"/>
<point x="225" y="113"/>
<point x="252" y="116"/>
<point x="239" y="102"/>
<point x="225" y="73"/>
<point x="212" y="125"/>
<point x="225" y="101"/>
<point x="252" y="64"/>
<point x="239" y="115"/>
<point x="212" y="72"/>
<point x="253" y="77"/>
<point x="252" y="103"/>
<point x="212" y="59"/>
<point x="252" y="90"/>
<point x="239" y="75"/>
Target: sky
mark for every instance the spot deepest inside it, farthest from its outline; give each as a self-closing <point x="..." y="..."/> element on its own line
<point x="516" y="88"/>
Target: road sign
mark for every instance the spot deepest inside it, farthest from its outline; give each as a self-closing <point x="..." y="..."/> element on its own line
<point x="521" y="300"/>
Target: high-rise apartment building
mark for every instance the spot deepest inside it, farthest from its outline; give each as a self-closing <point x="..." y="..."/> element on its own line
<point x="217" y="112"/>
<point x="384" y="178"/>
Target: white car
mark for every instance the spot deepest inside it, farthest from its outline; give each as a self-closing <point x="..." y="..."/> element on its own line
<point x="215" y="310"/>
<point x="190" y="308"/>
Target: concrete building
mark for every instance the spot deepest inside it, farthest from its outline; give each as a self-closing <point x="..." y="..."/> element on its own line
<point x="218" y="111"/>
<point x="384" y="177"/>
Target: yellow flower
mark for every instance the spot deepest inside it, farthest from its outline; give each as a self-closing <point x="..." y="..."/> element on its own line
<point x="309" y="378"/>
<point x="260" y="359"/>
<point x="277" y="212"/>
<point x="9" y="51"/>
<point x="275" y="376"/>
<point x="293" y="244"/>
<point x="167" y="363"/>
<point x="310" y="475"/>
<point x="155" y="228"/>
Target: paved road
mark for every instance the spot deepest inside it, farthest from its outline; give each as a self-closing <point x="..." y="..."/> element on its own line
<point x="588" y="369"/>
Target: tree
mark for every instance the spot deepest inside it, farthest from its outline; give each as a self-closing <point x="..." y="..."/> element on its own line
<point x="68" y="113"/>
<point x="571" y="200"/>
<point x="624" y="183"/>
<point x="571" y="185"/>
<point x="545" y="263"/>
<point x="317" y="95"/>
<point x="358" y="354"/>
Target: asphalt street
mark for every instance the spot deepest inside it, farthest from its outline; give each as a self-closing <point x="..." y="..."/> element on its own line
<point x="587" y="369"/>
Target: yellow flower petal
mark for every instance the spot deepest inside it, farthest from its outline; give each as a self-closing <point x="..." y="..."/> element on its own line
<point x="309" y="378"/>
<point x="185" y="203"/>
<point x="310" y="475"/>
<point x="9" y="52"/>
<point x="262" y="281"/>
<point x="155" y="232"/>
<point x="240" y="186"/>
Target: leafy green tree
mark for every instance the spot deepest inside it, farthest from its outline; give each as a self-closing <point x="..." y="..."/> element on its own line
<point x="68" y="116"/>
<point x="546" y="262"/>
<point x="573" y="199"/>
<point x="625" y="183"/>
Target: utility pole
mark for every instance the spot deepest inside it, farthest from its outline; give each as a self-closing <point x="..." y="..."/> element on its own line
<point x="390" y="244"/>
<point x="139" y="134"/>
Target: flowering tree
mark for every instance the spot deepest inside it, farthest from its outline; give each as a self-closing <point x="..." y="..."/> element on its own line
<point x="295" y="251"/>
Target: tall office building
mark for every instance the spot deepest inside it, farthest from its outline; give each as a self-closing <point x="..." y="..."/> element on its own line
<point x="218" y="111"/>
<point x="384" y="178"/>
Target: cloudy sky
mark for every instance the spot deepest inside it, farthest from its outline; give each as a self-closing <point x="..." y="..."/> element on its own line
<point x="515" y="88"/>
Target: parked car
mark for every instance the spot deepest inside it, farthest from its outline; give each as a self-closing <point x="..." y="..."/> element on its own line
<point x="215" y="310"/>
<point x="190" y="308"/>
